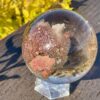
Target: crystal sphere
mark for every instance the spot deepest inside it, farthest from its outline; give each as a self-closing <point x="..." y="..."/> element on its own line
<point x="60" y="46"/>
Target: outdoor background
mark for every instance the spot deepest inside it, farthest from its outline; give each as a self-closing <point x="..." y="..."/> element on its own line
<point x="15" y="13"/>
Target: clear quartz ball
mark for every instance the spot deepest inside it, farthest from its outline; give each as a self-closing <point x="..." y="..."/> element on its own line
<point x="59" y="46"/>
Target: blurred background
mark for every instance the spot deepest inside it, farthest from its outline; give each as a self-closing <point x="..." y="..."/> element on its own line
<point x="15" y="13"/>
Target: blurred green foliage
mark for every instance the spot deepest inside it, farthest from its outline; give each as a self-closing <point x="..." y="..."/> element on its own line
<point x="15" y="13"/>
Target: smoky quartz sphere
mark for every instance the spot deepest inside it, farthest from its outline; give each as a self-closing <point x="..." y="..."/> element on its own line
<point x="59" y="46"/>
